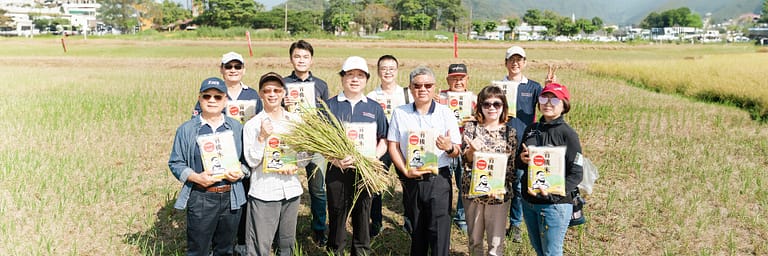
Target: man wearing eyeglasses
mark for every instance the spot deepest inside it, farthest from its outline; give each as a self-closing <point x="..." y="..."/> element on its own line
<point x="527" y="92"/>
<point x="232" y="69"/>
<point x="428" y="196"/>
<point x="301" y="54"/>
<point x="213" y="204"/>
<point x="389" y="95"/>
<point x="352" y="107"/>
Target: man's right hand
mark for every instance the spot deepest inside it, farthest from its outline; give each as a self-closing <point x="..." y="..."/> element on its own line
<point x="204" y="179"/>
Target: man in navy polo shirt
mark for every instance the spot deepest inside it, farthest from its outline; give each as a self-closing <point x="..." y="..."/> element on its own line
<point x="232" y="70"/>
<point x="527" y="92"/>
<point x="213" y="204"/>
<point x="352" y="106"/>
<point x="427" y="195"/>
<point x="301" y="54"/>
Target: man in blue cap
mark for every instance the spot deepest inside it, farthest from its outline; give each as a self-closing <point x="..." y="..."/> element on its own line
<point x="212" y="202"/>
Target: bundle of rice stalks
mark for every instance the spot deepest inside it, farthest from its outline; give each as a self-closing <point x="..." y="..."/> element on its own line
<point x="321" y="132"/>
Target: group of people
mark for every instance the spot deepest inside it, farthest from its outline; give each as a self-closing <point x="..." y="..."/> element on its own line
<point x="257" y="211"/>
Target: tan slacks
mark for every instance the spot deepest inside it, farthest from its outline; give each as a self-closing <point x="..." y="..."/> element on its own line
<point x="489" y="221"/>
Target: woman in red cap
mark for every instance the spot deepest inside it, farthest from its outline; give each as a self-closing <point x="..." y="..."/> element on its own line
<point x="547" y="213"/>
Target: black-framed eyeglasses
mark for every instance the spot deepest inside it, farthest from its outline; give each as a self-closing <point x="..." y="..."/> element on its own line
<point x="494" y="104"/>
<point x="230" y="66"/>
<point x="215" y="97"/>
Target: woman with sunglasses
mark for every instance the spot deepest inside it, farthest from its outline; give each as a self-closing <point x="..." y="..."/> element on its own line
<point x="547" y="215"/>
<point x="487" y="214"/>
<point x="273" y="198"/>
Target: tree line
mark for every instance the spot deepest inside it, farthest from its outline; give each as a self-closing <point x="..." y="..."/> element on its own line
<point x="306" y="16"/>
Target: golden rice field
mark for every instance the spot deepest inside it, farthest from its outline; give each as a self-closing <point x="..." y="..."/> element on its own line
<point x="87" y="133"/>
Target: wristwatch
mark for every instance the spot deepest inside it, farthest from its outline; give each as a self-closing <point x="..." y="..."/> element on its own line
<point x="450" y="151"/>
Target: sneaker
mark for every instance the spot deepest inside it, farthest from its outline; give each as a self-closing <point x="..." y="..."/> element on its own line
<point x="515" y="233"/>
<point x="241" y="250"/>
<point x="320" y="238"/>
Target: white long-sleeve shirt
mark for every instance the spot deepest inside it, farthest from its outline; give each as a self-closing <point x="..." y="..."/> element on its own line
<point x="268" y="186"/>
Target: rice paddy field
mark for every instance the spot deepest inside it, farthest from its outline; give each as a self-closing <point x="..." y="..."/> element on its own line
<point x="678" y="133"/>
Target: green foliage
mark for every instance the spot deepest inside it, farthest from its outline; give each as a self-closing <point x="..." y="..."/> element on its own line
<point x="216" y="32"/>
<point x="172" y="12"/>
<point x="339" y="13"/>
<point x="420" y="20"/>
<point x="764" y="13"/>
<point x="229" y="13"/>
<point x="50" y="24"/>
<point x="532" y="17"/>
<point x="478" y="27"/>
<point x="490" y="25"/>
<point x="340" y="21"/>
<point x="677" y="17"/>
<point x="118" y="13"/>
<point x="305" y="21"/>
<point x="597" y="22"/>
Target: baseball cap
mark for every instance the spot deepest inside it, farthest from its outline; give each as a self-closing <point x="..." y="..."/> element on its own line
<point x="515" y="50"/>
<point x="230" y="56"/>
<point x="271" y="76"/>
<point x="213" y="83"/>
<point x="355" y="62"/>
<point x="457" y="70"/>
<point x="560" y="91"/>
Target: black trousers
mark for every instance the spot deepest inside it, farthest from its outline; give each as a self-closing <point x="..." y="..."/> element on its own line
<point x="340" y="189"/>
<point x="428" y="208"/>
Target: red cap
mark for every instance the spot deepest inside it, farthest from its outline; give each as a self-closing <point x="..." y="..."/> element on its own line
<point x="558" y="90"/>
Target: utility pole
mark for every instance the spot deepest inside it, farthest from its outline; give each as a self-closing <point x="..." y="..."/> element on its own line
<point x="285" y="28"/>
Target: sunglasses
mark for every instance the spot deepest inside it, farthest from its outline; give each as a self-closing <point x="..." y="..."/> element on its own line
<point x="215" y="97"/>
<point x="273" y="90"/>
<point x="230" y="66"/>
<point x="426" y="86"/>
<point x="494" y="104"/>
<point x="543" y="100"/>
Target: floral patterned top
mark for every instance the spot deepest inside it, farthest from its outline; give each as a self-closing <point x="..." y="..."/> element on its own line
<point x="503" y="140"/>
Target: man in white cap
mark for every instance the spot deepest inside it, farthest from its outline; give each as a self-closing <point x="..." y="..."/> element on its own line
<point x="528" y="91"/>
<point x="352" y="106"/>
<point x="232" y="69"/>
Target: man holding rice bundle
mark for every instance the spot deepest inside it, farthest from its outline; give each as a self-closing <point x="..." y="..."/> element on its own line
<point x="428" y="195"/>
<point x="363" y="117"/>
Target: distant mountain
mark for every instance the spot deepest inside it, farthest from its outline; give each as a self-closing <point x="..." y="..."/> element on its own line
<point x="621" y="12"/>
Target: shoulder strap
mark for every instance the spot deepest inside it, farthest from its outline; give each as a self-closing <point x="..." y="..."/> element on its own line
<point x="405" y="94"/>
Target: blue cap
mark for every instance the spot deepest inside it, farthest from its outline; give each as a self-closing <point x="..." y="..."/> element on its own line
<point x="213" y="83"/>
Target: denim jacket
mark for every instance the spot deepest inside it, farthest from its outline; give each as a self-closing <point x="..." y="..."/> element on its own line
<point x="183" y="152"/>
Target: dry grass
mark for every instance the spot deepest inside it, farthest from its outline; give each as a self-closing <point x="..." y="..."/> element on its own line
<point x="83" y="164"/>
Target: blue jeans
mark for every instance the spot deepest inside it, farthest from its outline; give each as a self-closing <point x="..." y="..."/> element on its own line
<point x="318" y="201"/>
<point x="547" y="224"/>
<point x="516" y="206"/>
<point x="458" y="171"/>
<point x="210" y="223"/>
